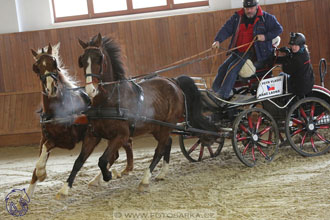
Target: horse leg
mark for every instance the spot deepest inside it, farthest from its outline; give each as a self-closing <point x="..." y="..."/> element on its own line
<point x="39" y="172"/>
<point x="163" y="141"/>
<point x="41" y="163"/>
<point x="129" y="157"/>
<point x="109" y="156"/>
<point x="97" y="179"/>
<point x="166" y="160"/>
<point x="87" y="148"/>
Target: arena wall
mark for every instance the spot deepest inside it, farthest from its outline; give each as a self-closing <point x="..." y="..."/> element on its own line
<point x="147" y="45"/>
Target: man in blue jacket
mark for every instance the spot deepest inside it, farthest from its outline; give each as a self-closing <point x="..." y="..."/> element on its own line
<point x="248" y="24"/>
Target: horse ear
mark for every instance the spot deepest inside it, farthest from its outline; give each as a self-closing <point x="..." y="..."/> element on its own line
<point x="82" y="44"/>
<point x="42" y="50"/>
<point x="49" y="51"/>
<point x="35" y="54"/>
<point x="98" y="40"/>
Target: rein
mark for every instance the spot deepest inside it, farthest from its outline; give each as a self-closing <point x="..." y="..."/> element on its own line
<point x="152" y="74"/>
<point x="175" y="65"/>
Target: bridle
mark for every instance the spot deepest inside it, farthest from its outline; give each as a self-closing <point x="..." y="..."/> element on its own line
<point x="53" y="75"/>
<point x="100" y="74"/>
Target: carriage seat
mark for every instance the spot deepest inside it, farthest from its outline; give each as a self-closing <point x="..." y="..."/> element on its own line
<point x="251" y="83"/>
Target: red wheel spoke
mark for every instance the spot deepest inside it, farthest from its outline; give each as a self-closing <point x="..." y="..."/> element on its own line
<point x="201" y="153"/>
<point x="297" y="121"/>
<point x="242" y="139"/>
<point x="313" y="145"/>
<point x="270" y="136"/>
<point x="303" y="113"/>
<point x="253" y="155"/>
<point x="265" y="130"/>
<point x="267" y="142"/>
<point x="303" y="141"/>
<point x="312" y="110"/>
<point x="194" y="147"/>
<point x="320" y="116"/>
<point x="263" y="153"/>
<point x="258" y="123"/>
<point x="297" y="132"/>
<point x="250" y="122"/>
<point x="210" y="150"/>
<point x="323" y="127"/>
<point x="244" y="129"/>
<point x="321" y="137"/>
<point x="245" y="148"/>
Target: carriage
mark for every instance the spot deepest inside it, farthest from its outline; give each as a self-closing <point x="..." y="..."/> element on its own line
<point x="261" y="117"/>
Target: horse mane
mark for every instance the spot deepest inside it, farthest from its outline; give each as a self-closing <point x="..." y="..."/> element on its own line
<point x="114" y="52"/>
<point x="64" y="76"/>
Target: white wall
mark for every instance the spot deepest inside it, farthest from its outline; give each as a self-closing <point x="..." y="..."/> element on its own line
<point x="8" y="17"/>
<point x="34" y="14"/>
<point x="30" y="15"/>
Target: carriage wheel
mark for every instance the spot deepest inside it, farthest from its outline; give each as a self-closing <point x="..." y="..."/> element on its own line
<point x="194" y="151"/>
<point x="255" y="137"/>
<point x="307" y="126"/>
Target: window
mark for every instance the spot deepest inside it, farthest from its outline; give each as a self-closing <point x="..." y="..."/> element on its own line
<point x="69" y="10"/>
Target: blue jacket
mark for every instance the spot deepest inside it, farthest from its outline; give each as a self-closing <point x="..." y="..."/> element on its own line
<point x="266" y="25"/>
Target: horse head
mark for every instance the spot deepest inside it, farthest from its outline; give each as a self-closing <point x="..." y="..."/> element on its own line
<point x="101" y="63"/>
<point x="46" y="67"/>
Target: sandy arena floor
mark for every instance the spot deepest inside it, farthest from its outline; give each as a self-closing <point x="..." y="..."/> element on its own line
<point x="291" y="187"/>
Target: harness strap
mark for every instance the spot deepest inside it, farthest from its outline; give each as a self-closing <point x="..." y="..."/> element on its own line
<point x="140" y="99"/>
<point x="93" y="75"/>
<point x="107" y="113"/>
<point x="111" y="113"/>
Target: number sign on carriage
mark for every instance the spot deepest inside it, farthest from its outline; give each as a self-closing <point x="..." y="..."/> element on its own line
<point x="270" y="87"/>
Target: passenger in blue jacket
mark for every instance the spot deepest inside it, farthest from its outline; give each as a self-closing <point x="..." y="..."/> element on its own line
<point x="246" y="24"/>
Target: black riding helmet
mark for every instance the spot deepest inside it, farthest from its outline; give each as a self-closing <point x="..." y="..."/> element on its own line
<point x="297" y="39"/>
<point x="250" y="3"/>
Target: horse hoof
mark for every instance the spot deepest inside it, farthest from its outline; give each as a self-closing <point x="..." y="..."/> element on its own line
<point x="124" y="172"/>
<point x="63" y="193"/>
<point x="143" y="187"/>
<point x="115" y="174"/>
<point x="160" y="177"/>
<point x="108" y="177"/>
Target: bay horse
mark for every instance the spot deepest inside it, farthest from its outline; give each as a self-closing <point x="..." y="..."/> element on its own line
<point x="118" y="104"/>
<point x="61" y="101"/>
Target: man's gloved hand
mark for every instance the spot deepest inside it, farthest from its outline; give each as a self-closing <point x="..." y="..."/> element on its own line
<point x="261" y="37"/>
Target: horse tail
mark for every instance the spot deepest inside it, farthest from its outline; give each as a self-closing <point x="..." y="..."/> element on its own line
<point x="194" y="104"/>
